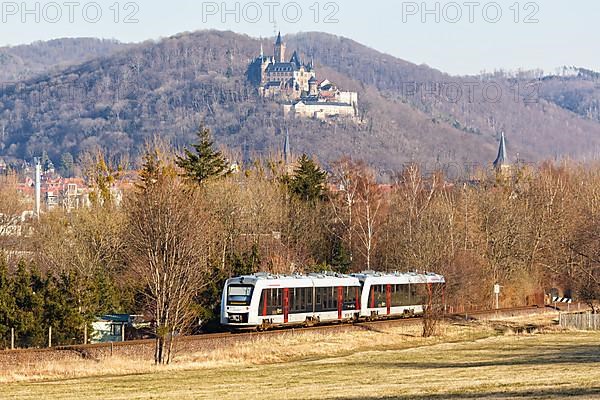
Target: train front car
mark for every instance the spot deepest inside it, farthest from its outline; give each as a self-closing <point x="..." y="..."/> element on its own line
<point x="388" y="295"/>
<point x="239" y="302"/>
<point x="263" y="301"/>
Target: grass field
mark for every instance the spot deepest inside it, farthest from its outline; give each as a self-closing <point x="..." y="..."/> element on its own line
<point x="467" y="363"/>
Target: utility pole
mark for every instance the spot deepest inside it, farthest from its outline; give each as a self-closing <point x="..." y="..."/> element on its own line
<point x="38" y="187"/>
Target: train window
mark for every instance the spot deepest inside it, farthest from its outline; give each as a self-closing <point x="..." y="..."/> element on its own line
<point x="274" y="299"/>
<point x="418" y="294"/>
<point x="318" y="300"/>
<point x="239" y="295"/>
<point x="298" y="300"/>
<point x="334" y="299"/>
<point x="400" y="295"/>
<point x="394" y="295"/>
<point x="324" y="299"/>
<point x="378" y="296"/>
<point x="350" y="294"/>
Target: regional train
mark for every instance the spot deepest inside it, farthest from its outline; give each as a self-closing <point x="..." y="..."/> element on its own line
<point x="263" y="301"/>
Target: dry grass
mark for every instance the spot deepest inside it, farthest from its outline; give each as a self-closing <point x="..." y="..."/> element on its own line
<point x="292" y="346"/>
<point x="468" y="362"/>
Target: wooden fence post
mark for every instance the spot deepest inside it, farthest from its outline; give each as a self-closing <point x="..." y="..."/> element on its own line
<point x="85" y="338"/>
<point x="560" y="320"/>
<point x="49" y="336"/>
<point x="12" y="338"/>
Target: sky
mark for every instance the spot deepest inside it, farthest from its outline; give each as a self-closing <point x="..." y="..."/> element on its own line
<point x="459" y="37"/>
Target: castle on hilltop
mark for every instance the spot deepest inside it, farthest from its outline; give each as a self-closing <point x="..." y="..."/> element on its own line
<point x="296" y="83"/>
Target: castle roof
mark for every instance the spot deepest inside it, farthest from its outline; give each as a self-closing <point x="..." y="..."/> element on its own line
<point x="279" y="40"/>
<point x="282" y="67"/>
<point x="327" y="95"/>
<point x="296" y="60"/>
<point x="502" y="158"/>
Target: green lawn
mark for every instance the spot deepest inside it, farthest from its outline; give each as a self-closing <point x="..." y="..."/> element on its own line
<point x="533" y="367"/>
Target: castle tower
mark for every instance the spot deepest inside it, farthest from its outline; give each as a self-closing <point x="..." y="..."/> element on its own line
<point x="279" y="50"/>
<point x="313" y="89"/>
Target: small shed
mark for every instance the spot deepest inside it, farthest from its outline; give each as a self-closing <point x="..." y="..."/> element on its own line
<point x="114" y="327"/>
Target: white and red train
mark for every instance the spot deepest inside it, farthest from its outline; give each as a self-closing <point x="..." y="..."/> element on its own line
<point x="262" y="301"/>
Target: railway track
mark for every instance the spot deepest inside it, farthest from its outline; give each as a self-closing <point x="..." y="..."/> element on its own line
<point x="215" y="340"/>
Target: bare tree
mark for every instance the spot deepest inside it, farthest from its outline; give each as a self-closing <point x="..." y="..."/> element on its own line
<point x="167" y="249"/>
<point x="434" y="309"/>
<point x="368" y="217"/>
<point x="345" y="172"/>
<point x="84" y="244"/>
<point x="12" y="206"/>
<point x="358" y="207"/>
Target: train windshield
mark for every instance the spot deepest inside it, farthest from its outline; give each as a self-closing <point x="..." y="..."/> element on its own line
<point x="239" y="295"/>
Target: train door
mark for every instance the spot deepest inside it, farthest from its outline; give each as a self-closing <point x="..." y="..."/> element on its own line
<point x="286" y="305"/>
<point x="388" y="298"/>
<point x="340" y="301"/>
<point x="266" y="296"/>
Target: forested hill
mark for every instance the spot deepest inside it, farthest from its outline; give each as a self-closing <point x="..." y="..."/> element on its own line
<point x="26" y="61"/>
<point x="121" y="99"/>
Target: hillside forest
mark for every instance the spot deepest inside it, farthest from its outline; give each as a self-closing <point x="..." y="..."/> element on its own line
<point x="66" y="98"/>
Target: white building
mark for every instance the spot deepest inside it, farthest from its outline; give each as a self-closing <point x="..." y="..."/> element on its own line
<point x="319" y="109"/>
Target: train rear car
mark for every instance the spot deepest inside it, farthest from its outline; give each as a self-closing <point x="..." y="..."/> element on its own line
<point x="396" y="294"/>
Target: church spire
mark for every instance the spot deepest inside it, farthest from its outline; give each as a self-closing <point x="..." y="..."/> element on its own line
<point x="287" y="153"/>
<point x="502" y="159"/>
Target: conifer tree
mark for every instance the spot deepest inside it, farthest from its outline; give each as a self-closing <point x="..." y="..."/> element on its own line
<point x="308" y="182"/>
<point x="203" y="162"/>
<point x="7" y="306"/>
<point x="61" y="310"/>
<point x="341" y="260"/>
<point x="28" y="308"/>
<point x="156" y="166"/>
